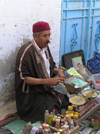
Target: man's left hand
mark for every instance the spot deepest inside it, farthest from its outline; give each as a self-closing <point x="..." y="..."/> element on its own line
<point x="60" y="74"/>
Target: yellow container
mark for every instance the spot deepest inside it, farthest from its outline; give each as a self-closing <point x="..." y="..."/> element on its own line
<point x="67" y="112"/>
<point x="75" y="117"/>
<point x="77" y="113"/>
<point x="71" y="114"/>
<point x="67" y="117"/>
<point x="70" y="108"/>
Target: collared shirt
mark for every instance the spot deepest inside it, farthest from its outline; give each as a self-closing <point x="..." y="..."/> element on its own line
<point x="42" y="51"/>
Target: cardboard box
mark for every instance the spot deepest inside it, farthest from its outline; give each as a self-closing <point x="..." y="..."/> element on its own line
<point x="70" y="87"/>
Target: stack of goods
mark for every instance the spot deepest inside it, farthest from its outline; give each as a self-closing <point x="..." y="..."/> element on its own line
<point x="61" y="122"/>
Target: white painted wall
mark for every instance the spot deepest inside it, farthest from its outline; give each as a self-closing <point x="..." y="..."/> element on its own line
<point x="16" y="20"/>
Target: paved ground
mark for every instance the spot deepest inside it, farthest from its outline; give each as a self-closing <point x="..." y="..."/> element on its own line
<point x="7" y="109"/>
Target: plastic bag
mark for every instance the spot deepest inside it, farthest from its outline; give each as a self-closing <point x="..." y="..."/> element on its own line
<point x="5" y="131"/>
<point x="60" y="88"/>
<point x="78" y="83"/>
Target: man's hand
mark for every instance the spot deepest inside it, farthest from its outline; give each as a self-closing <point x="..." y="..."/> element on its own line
<point x="60" y="74"/>
<point x="55" y="81"/>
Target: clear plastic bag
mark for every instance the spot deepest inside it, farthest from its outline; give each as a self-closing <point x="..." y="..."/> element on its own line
<point x="60" y="88"/>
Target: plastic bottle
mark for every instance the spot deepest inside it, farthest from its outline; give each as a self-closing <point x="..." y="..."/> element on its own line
<point x="46" y="117"/>
<point x="50" y="118"/>
<point x="92" y="122"/>
<point x="53" y="112"/>
<point x="96" y="125"/>
<point x="57" y="122"/>
<point x="53" y="122"/>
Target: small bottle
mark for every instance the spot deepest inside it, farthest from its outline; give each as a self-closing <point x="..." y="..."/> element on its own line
<point x="40" y="131"/>
<point x="62" y="121"/>
<point x="96" y="125"/>
<point x="53" y="122"/>
<point x="46" y="117"/>
<point x="71" y="122"/>
<point x="71" y="126"/>
<point x="47" y="129"/>
<point x="53" y="112"/>
<point x="50" y="118"/>
<point x="57" y="122"/>
<point x="92" y="123"/>
<point x="67" y="117"/>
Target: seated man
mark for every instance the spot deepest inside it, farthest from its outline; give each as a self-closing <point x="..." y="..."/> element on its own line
<point x="34" y="77"/>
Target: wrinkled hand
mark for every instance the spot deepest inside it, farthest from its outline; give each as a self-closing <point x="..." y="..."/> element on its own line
<point x="55" y="81"/>
<point x="61" y="75"/>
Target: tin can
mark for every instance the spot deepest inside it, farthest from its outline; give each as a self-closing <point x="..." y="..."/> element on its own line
<point x="67" y="117"/>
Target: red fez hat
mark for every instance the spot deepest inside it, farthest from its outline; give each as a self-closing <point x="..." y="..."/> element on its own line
<point x="40" y="26"/>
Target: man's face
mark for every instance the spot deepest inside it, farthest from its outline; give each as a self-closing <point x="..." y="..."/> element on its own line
<point x="43" y="39"/>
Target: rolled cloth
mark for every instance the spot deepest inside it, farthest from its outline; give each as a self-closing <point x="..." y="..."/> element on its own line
<point x="40" y="26"/>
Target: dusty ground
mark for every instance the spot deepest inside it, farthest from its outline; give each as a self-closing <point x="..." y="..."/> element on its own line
<point x="7" y="109"/>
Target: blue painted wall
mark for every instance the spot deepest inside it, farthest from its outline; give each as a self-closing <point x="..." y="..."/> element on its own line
<point x="80" y="27"/>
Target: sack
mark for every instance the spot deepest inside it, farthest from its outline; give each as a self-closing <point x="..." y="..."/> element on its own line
<point x="93" y="64"/>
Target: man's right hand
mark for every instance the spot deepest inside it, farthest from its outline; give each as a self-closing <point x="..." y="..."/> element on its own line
<point x="55" y="81"/>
